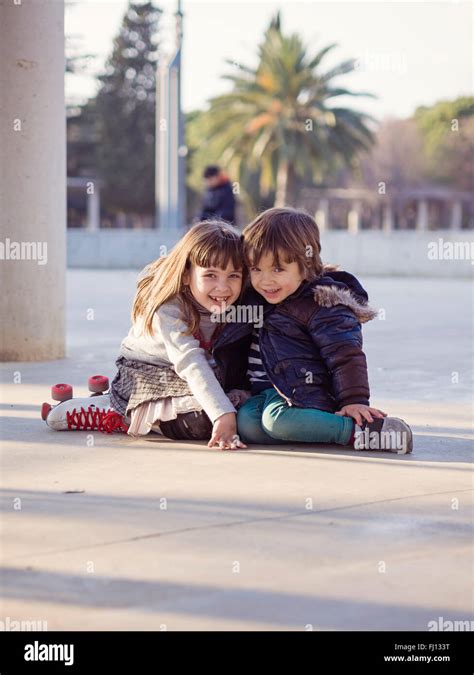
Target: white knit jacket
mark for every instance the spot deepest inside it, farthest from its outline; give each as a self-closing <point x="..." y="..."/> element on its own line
<point x="170" y="346"/>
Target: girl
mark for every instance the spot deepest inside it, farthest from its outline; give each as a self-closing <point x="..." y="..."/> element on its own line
<point x="172" y="370"/>
<point x="307" y="369"/>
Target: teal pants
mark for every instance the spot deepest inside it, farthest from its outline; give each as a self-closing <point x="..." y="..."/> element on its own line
<point x="268" y="419"/>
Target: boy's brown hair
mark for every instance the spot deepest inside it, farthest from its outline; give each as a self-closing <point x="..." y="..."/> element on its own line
<point x="290" y="233"/>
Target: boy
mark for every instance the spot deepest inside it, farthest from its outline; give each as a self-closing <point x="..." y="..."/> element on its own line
<point x="307" y="370"/>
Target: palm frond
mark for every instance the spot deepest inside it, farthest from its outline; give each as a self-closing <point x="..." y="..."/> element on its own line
<point x="280" y="111"/>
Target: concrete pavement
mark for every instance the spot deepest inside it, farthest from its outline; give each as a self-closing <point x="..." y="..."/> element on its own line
<point x="106" y="532"/>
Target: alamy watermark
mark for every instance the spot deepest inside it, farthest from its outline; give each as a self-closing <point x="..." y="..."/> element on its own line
<point x="240" y="314"/>
<point x="451" y="250"/>
<point x="393" y="62"/>
<point x="38" y="651"/>
<point x="24" y="250"/>
<point x="12" y="625"/>
<point x="381" y="440"/>
<point x="447" y="625"/>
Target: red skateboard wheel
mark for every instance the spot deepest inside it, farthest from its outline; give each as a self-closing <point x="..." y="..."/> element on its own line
<point x="61" y="392"/>
<point x="98" y="383"/>
<point x="45" y="408"/>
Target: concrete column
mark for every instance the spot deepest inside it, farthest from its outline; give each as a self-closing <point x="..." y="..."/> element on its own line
<point x="93" y="208"/>
<point x="422" y="215"/>
<point x="387" y="221"/>
<point x="322" y="215"/>
<point x="353" y="218"/>
<point x="32" y="180"/>
<point x="456" y="216"/>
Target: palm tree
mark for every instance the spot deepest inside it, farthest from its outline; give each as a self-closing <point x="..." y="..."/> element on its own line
<point x="277" y="120"/>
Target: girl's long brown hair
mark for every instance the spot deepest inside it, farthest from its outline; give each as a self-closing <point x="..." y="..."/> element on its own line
<point x="209" y="243"/>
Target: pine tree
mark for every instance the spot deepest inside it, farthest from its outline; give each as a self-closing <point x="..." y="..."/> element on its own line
<point x="125" y="107"/>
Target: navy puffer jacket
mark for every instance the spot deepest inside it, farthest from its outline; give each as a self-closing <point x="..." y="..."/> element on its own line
<point x="311" y="343"/>
<point x="219" y="202"/>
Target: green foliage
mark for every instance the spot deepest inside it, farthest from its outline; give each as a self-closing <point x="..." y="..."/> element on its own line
<point x="447" y="129"/>
<point x="436" y="122"/>
<point x="125" y="108"/>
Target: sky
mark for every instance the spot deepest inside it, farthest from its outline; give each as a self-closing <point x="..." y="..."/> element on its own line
<point x="409" y="53"/>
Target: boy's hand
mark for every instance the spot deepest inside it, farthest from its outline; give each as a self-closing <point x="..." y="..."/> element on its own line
<point x="360" y="412"/>
<point x="238" y="397"/>
<point x="224" y="433"/>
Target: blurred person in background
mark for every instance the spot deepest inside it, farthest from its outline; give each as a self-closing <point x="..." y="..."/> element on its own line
<point x="218" y="201"/>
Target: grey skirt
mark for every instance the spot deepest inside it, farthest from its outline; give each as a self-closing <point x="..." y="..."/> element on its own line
<point x="136" y="383"/>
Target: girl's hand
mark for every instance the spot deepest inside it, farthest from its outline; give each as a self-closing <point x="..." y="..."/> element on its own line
<point x="238" y="397"/>
<point x="224" y="433"/>
<point x="360" y="412"/>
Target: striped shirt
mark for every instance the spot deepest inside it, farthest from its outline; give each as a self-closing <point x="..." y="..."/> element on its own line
<point x="256" y="372"/>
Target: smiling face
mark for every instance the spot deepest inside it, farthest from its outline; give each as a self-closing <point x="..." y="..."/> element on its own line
<point x="214" y="288"/>
<point x="275" y="282"/>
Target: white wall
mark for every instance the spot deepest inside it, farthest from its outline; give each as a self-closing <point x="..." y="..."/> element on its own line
<point x="366" y="253"/>
<point x="116" y="248"/>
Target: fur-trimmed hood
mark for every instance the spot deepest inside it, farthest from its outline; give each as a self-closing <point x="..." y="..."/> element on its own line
<point x="333" y="287"/>
<point x="336" y="287"/>
<point x="328" y="296"/>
